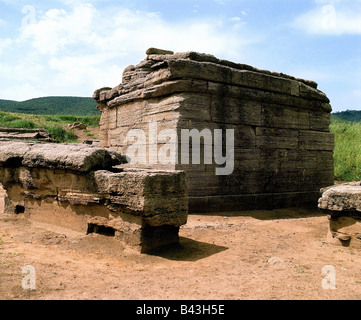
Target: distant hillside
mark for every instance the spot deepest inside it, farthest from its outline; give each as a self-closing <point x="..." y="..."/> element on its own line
<point x="349" y="115"/>
<point x="77" y="106"/>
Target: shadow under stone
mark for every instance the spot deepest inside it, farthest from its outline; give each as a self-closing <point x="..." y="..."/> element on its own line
<point x="188" y="250"/>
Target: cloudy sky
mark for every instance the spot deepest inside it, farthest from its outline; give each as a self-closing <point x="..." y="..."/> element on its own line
<point x="72" y="47"/>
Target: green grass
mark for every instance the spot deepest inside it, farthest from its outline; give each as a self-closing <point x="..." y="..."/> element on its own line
<point x="347" y="152"/>
<point x="61" y="135"/>
<point x="22" y="123"/>
<point x="54" y="124"/>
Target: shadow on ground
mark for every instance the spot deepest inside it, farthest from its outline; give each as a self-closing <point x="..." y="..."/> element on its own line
<point x="188" y="250"/>
<point x="286" y="213"/>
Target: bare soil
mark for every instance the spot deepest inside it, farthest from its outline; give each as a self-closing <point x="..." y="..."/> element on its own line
<point x="262" y="255"/>
<point x="86" y="135"/>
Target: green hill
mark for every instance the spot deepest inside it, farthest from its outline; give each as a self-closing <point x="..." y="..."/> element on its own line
<point x="78" y="106"/>
<point x="349" y="115"/>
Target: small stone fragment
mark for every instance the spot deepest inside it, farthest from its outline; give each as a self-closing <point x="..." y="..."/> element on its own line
<point x="158" y="51"/>
<point x="341" y="236"/>
<point x="274" y="260"/>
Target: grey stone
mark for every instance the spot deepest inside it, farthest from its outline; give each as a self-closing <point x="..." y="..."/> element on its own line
<point x="67" y="185"/>
<point x="342" y="204"/>
<point x="275" y="260"/>
<point x="76" y="157"/>
<point x="158" y="51"/>
<point x="77" y="126"/>
<point x="341" y="198"/>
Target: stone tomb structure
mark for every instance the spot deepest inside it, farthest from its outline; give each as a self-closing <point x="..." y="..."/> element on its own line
<point x="183" y="132"/>
<point x="282" y="152"/>
<point x="77" y="186"/>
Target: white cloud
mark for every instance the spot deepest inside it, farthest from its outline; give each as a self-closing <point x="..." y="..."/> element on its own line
<point x="123" y="31"/>
<point x="75" y="51"/>
<point x="88" y="71"/>
<point x="58" y="29"/>
<point x="332" y="18"/>
<point x="4" y="44"/>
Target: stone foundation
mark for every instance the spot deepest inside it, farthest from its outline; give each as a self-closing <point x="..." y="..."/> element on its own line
<point x="343" y="206"/>
<point x="78" y="187"/>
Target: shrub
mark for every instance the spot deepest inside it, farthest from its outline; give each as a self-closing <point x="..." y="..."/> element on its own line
<point x="22" y="123"/>
<point x="61" y="135"/>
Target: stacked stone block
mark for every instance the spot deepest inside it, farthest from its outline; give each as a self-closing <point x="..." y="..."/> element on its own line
<point x="283" y="150"/>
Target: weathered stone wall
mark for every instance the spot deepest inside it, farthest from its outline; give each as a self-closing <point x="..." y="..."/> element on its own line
<point x="283" y="150"/>
<point x="77" y="187"/>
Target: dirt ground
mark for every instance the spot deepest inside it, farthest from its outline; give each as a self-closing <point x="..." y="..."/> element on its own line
<point x="86" y="135"/>
<point x="262" y="255"/>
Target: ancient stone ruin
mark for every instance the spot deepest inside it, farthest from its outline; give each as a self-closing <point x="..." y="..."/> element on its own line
<point x="342" y="204"/>
<point x="79" y="187"/>
<point x="270" y="130"/>
<point x="25" y="134"/>
<point x="183" y="132"/>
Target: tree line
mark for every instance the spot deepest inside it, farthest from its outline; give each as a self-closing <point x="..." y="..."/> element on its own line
<point x="80" y="106"/>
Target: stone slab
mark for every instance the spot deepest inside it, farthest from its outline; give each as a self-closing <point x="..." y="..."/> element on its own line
<point x="142" y="208"/>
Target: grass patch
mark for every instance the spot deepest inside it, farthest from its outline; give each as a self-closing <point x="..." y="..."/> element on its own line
<point x="89" y="121"/>
<point x="25" y="124"/>
<point x="54" y="124"/>
<point x="61" y="135"/>
<point x="299" y="269"/>
<point x="347" y="152"/>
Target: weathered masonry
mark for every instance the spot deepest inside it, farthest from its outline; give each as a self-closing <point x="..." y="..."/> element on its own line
<point x="342" y="204"/>
<point x="283" y="150"/>
<point x="78" y="187"/>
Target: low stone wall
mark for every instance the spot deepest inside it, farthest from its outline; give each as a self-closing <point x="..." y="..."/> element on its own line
<point x="342" y="204"/>
<point x="25" y="134"/>
<point x="77" y="186"/>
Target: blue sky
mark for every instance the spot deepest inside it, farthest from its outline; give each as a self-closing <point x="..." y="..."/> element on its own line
<point x="71" y="48"/>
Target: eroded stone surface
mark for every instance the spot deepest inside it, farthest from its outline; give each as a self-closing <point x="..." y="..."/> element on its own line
<point x="67" y="185"/>
<point x="343" y="198"/>
<point x="76" y="157"/>
<point x="342" y="203"/>
<point x="283" y="148"/>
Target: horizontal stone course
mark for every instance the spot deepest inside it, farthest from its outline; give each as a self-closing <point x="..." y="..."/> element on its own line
<point x="80" y="187"/>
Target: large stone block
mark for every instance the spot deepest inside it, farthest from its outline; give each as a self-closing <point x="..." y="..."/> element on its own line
<point x="78" y="187"/>
<point x="342" y="204"/>
<point x="280" y="143"/>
